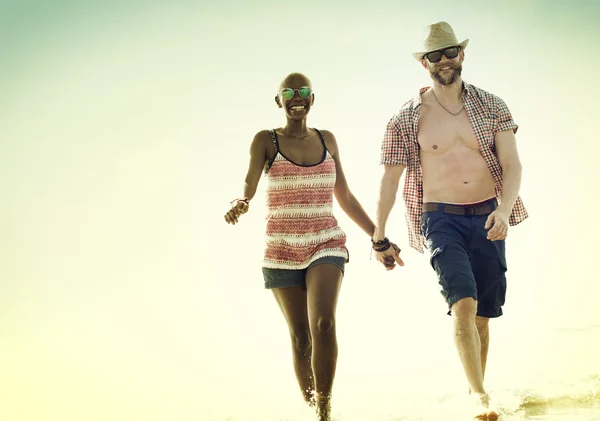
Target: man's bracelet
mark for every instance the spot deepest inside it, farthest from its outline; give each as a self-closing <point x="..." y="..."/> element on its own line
<point x="382" y="248"/>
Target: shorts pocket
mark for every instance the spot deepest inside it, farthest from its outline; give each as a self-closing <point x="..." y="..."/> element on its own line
<point x="443" y="280"/>
<point x="435" y="254"/>
<point x="424" y="223"/>
<point x="494" y="250"/>
<point x="503" y="266"/>
<point x="501" y="290"/>
<point x="430" y="221"/>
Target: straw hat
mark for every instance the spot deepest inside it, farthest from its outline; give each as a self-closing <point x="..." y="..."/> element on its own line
<point x="439" y="36"/>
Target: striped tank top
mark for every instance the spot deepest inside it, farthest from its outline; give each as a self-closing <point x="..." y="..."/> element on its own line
<point x="300" y="226"/>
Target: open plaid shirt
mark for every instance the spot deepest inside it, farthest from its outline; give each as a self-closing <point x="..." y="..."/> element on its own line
<point x="488" y="115"/>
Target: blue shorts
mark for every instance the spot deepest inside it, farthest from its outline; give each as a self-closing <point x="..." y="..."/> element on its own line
<point x="285" y="278"/>
<point x="466" y="262"/>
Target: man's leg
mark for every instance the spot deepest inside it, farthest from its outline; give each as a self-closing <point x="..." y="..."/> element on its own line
<point x="448" y="239"/>
<point x="489" y="268"/>
<point x="468" y="344"/>
<point x="484" y="339"/>
<point x="472" y="338"/>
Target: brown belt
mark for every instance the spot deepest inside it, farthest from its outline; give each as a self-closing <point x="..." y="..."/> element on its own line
<point x="483" y="208"/>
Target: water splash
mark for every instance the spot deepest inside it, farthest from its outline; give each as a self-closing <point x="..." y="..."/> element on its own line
<point x="544" y="401"/>
<point x="553" y="395"/>
<point x="548" y="398"/>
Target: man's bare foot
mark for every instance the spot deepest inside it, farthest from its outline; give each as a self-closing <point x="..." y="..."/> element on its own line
<point x="484" y="408"/>
<point x="323" y="404"/>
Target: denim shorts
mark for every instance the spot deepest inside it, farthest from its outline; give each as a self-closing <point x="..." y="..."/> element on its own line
<point x="466" y="262"/>
<point x="285" y="278"/>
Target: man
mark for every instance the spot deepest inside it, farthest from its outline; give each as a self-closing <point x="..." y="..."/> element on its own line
<point x="463" y="173"/>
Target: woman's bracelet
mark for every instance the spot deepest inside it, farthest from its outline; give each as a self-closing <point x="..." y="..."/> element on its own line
<point x="242" y="199"/>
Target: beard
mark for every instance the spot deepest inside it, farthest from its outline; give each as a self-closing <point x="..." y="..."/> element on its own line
<point x="447" y="79"/>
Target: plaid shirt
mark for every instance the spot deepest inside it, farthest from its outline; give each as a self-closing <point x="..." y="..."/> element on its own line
<point x="488" y="115"/>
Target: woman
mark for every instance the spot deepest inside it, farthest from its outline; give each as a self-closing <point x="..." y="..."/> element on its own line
<point x="305" y="248"/>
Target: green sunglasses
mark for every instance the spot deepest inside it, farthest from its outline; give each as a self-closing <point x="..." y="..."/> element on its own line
<point x="288" y="93"/>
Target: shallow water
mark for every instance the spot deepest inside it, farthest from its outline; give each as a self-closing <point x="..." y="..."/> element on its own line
<point x="530" y="389"/>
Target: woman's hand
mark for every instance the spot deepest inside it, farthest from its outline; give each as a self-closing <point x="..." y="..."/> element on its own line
<point x="239" y="208"/>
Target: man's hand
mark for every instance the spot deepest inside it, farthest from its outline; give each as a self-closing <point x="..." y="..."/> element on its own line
<point x="390" y="257"/>
<point x="236" y="211"/>
<point x="498" y="222"/>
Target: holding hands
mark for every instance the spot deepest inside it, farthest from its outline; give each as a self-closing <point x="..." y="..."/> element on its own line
<point x="387" y="253"/>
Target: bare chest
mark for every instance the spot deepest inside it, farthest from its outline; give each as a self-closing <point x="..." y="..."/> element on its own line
<point x="440" y="132"/>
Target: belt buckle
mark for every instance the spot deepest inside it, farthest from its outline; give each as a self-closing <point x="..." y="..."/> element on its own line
<point x="470" y="210"/>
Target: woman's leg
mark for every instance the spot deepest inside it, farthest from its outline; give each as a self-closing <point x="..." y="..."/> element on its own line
<point x="323" y="283"/>
<point x="292" y="302"/>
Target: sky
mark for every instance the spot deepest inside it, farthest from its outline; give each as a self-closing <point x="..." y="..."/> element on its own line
<point x="125" y="133"/>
